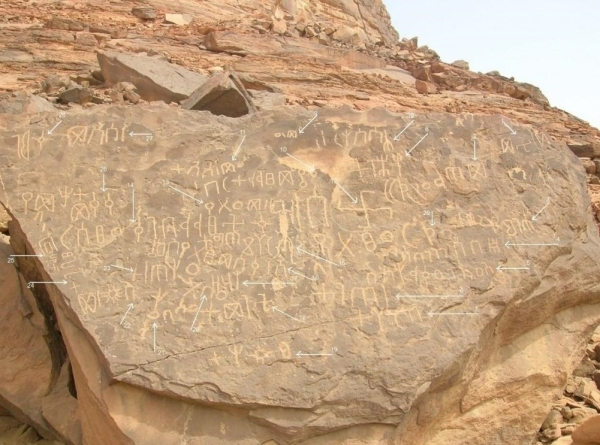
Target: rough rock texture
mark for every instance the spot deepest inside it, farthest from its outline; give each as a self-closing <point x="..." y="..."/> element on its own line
<point x="154" y="78"/>
<point x="238" y="270"/>
<point x="398" y="375"/>
<point x="223" y="94"/>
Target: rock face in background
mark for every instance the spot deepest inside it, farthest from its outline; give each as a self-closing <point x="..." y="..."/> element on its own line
<point x="302" y="277"/>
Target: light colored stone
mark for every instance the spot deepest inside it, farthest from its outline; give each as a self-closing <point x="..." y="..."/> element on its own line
<point x="588" y="165"/>
<point x="279" y="26"/>
<point x="462" y="64"/>
<point x="154" y="79"/>
<point x="179" y="19"/>
<point x="76" y="94"/>
<point x="345" y="34"/>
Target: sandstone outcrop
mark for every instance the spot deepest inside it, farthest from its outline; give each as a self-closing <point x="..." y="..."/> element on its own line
<point x="423" y="274"/>
<point x="312" y="272"/>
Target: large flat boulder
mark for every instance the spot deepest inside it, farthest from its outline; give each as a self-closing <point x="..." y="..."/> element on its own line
<point x="155" y="79"/>
<point x="305" y="277"/>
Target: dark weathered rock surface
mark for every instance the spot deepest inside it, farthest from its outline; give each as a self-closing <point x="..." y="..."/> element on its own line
<point x="287" y="274"/>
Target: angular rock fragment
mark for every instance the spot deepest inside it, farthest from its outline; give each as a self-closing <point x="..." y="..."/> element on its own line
<point x="223" y="94"/>
<point x="425" y="87"/>
<point x="77" y="94"/>
<point x="22" y="102"/>
<point x="178" y="19"/>
<point x="144" y="12"/>
<point x="154" y="79"/>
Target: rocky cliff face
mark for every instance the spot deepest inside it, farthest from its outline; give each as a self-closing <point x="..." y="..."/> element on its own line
<point x="327" y="236"/>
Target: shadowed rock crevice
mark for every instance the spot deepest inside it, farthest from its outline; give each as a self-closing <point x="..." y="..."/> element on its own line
<point x="33" y="271"/>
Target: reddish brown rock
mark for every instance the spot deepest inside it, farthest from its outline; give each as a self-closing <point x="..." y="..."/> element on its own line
<point x="425" y="87"/>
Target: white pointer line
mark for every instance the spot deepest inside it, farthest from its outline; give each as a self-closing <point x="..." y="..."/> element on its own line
<point x="397" y="137"/>
<point x="202" y="300"/>
<point x="416" y="145"/>
<point x="199" y="201"/>
<point x="299" y="249"/>
<point x="275" y="308"/>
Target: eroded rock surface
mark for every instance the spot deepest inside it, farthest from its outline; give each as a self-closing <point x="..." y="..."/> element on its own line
<point x="290" y="274"/>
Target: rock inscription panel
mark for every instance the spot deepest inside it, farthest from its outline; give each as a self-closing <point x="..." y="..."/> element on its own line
<point x="332" y="261"/>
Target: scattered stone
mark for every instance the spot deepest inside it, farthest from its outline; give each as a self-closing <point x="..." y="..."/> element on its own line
<point x="65" y="24"/>
<point x="590" y="167"/>
<point x="493" y="73"/>
<point x="22" y="102"/>
<point x="144" y="12"/>
<point x="54" y="83"/>
<point x="154" y="79"/>
<point x="552" y="433"/>
<point x="345" y="34"/>
<point x="553" y="419"/>
<point x="179" y="19"/>
<point x="97" y="74"/>
<point x="597" y="164"/>
<point x="279" y="26"/>
<point x="422" y="72"/>
<point x="588" y="433"/>
<point x="462" y="64"/>
<point x="76" y="94"/>
<point x="223" y="94"/>
<point x="425" y="87"/>
<point x="121" y="87"/>
<point x="131" y="96"/>
<point x="585" y="149"/>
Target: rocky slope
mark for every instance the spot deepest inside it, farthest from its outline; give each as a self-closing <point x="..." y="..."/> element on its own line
<point x="329" y="344"/>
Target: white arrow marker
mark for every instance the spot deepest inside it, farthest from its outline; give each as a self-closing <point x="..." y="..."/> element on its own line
<point x="275" y="308"/>
<point x="39" y="255"/>
<point x="474" y="149"/>
<point x="154" y="339"/>
<point x="54" y="128"/>
<point x="507" y="126"/>
<point x="234" y="157"/>
<point x="354" y="200"/>
<point x="431" y="314"/>
<point x="309" y="122"/>
<point x="397" y="137"/>
<point x="310" y="168"/>
<point x="103" y="188"/>
<point x="416" y="145"/>
<point x="300" y="250"/>
<point x="257" y="283"/>
<point x="303" y="354"/>
<point x="512" y="268"/>
<point x="32" y="283"/>
<point x="509" y="244"/>
<point x="133" y="205"/>
<point x="534" y="217"/>
<point x="199" y="201"/>
<point x="128" y="269"/>
<point x="399" y="296"/>
<point x="295" y="272"/>
<point x="132" y="134"/>
<point x="129" y="307"/>
<point x="202" y="300"/>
